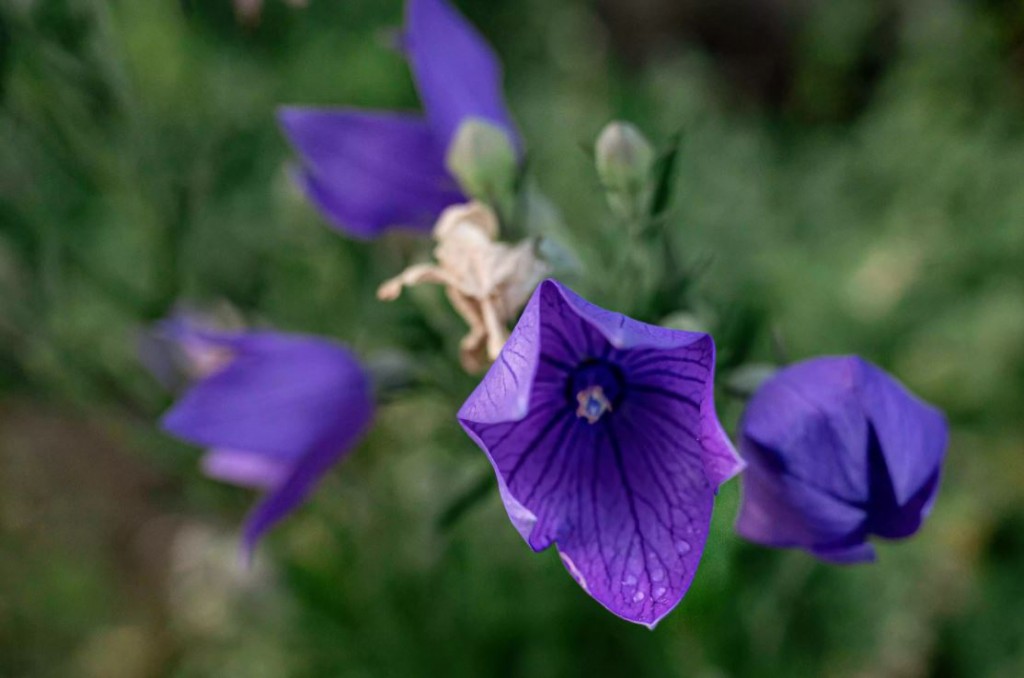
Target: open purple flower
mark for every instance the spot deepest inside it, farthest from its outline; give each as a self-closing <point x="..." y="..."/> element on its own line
<point x="837" y="450"/>
<point x="366" y="171"/>
<point x="275" y="411"/>
<point x="603" y="435"/>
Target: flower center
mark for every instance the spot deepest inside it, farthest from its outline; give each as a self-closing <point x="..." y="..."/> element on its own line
<point x="594" y="388"/>
<point x="592" y="404"/>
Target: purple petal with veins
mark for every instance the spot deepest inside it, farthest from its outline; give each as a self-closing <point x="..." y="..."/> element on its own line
<point x="603" y="434"/>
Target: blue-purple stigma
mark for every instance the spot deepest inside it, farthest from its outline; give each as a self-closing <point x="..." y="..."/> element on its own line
<point x="592" y="404"/>
<point x="595" y="387"/>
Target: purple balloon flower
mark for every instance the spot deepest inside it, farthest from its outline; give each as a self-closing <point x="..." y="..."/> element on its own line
<point x="603" y="435"/>
<point x="275" y="411"/>
<point x="367" y="171"/>
<point x="838" y="450"/>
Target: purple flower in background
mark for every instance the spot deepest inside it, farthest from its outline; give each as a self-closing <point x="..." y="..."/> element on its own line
<point x="603" y="435"/>
<point x="275" y="411"/>
<point x="838" y="450"/>
<point x="367" y="171"/>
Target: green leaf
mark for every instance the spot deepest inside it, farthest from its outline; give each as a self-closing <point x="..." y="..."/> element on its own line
<point x="467" y="500"/>
<point x="664" y="176"/>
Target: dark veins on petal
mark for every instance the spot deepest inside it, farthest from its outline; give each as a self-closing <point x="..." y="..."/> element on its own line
<point x="624" y="493"/>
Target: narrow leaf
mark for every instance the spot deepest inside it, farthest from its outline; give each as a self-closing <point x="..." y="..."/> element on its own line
<point x="479" y="490"/>
<point x="664" y="176"/>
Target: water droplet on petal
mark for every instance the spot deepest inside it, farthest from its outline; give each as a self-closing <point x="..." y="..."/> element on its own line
<point x="638" y="596"/>
<point x="682" y="547"/>
<point x="657" y="575"/>
<point x="630" y="580"/>
<point x="659" y="593"/>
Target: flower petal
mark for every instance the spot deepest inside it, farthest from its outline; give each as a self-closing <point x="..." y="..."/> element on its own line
<point x="720" y="457"/>
<point x="457" y="73"/>
<point x="641" y="516"/>
<point x="626" y="498"/>
<point x="369" y="171"/>
<point x="245" y="469"/>
<point x="838" y="451"/>
<point x="912" y="434"/>
<point x="304" y="475"/>
<point x="294" y="404"/>
<point x="280" y="394"/>
<point x="780" y="510"/>
<point x="812" y="412"/>
<point x="887" y="516"/>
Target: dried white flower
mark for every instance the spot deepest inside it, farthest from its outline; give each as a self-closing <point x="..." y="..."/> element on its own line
<point x="487" y="281"/>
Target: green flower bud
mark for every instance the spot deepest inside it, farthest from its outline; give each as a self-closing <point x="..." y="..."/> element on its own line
<point x="624" y="158"/>
<point x="482" y="158"/>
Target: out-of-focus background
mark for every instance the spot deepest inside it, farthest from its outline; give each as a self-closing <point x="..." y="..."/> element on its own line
<point x="853" y="172"/>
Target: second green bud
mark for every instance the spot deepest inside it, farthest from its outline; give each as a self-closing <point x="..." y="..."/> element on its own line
<point x="483" y="160"/>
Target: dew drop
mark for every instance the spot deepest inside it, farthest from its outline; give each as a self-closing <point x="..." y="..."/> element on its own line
<point x="638" y="596"/>
<point x="659" y="593"/>
<point x="682" y="547"/>
<point x="657" y="575"/>
<point x="630" y="580"/>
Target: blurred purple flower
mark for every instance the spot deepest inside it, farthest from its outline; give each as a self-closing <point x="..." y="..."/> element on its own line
<point x="366" y="171"/>
<point x="276" y="411"/>
<point x="603" y="435"/>
<point x="837" y="450"/>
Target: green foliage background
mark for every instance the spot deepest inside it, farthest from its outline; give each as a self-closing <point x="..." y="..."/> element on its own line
<point x="141" y="164"/>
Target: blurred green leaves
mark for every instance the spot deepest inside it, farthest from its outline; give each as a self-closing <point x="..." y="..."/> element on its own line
<point x="880" y="213"/>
